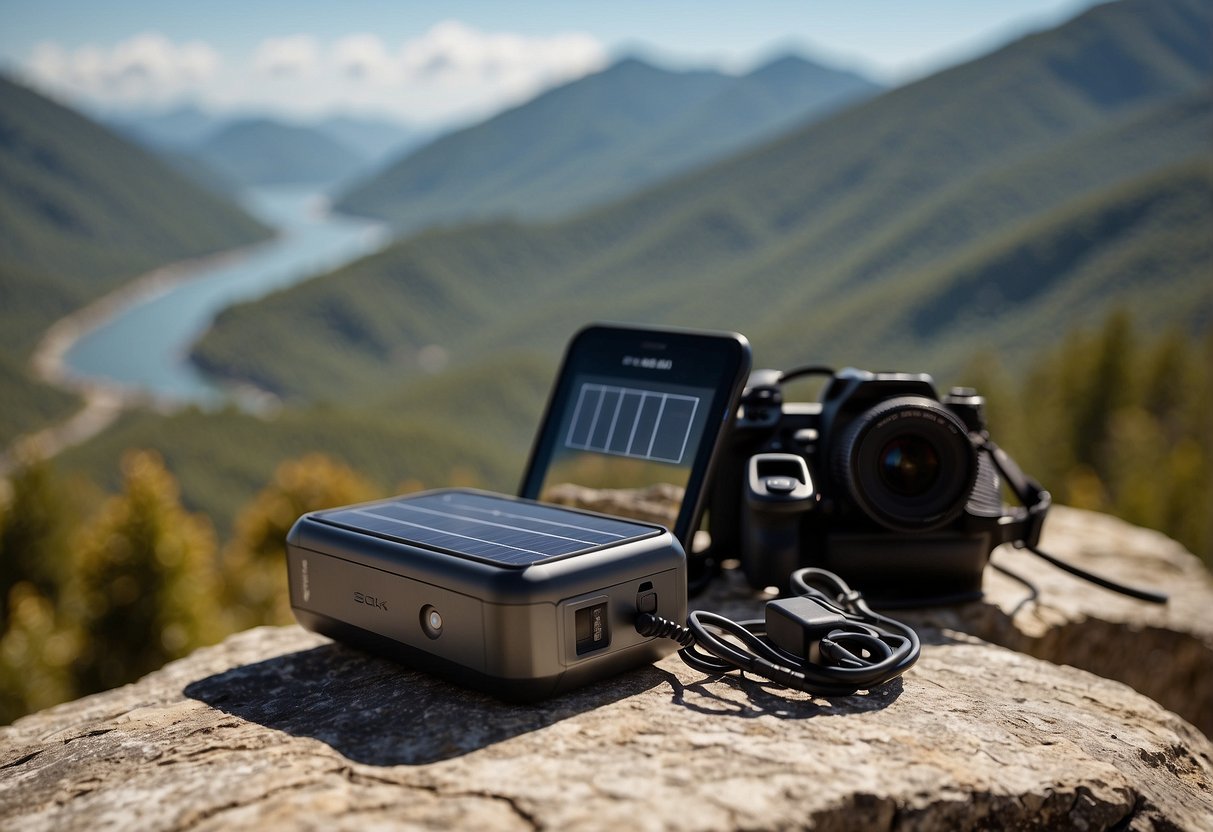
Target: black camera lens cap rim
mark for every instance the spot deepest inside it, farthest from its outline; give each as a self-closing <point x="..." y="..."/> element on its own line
<point x="857" y="460"/>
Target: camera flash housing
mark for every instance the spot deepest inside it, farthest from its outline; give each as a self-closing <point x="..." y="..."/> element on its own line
<point x="520" y="599"/>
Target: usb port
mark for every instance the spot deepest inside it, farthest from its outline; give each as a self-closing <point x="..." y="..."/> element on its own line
<point x="593" y="632"/>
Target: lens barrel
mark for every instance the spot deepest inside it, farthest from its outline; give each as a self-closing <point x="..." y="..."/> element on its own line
<point x="907" y="463"/>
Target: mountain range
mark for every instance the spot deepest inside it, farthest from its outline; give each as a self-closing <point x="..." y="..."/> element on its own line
<point x="598" y="137"/>
<point x="994" y="205"/>
<point x="81" y="211"/>
<point x="268" y="152"/>
<point x="226" y="153"/>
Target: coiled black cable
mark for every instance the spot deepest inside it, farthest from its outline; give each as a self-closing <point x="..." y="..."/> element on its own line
<point x="848" y="646"/>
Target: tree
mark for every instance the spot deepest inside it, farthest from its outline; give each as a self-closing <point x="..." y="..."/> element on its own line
<point x="1119" y="422"/>
<point x="1107" y="387"/>
<point x="36" y="655"/>
<point x="985" y="373"/>
<point x="33" y="533"/>
<point x="144" y="587"/>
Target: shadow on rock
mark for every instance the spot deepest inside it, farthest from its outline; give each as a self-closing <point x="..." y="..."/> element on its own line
<point x="717" y="696"/>
<point x="375" y="712"/>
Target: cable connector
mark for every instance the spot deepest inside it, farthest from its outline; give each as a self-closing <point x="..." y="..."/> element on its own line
<point x="653" y="626"/>
<point x="798" y="624"/>
<point x="825" y="641"/>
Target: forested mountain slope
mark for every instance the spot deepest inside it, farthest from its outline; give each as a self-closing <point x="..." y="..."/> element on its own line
<point x="82" y="210"/>
<point x="598" y="137"/>
<point x="823" y="245"/>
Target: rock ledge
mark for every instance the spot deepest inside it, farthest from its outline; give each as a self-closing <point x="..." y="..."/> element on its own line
<point x="280" y="728"/>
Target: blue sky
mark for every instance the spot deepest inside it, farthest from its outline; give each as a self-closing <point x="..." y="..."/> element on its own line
<point x="441" y="61"/>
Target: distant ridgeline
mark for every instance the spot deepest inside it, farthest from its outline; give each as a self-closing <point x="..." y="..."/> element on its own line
<point x="227" y="153"/>
<point x="81" y="211"/>
<point x="597" y="138"/>
<point x="1000" y="203"/>
<point x="265" y="152"/>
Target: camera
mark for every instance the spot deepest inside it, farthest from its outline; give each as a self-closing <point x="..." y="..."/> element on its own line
<point x="882" y="481"/>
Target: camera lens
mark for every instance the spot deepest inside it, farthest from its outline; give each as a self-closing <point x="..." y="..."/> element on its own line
<point x="907" y="463"/>
<point x="909" y="466"/>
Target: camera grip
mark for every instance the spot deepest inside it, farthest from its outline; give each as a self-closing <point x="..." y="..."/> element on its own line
<point x="779" y="489"/>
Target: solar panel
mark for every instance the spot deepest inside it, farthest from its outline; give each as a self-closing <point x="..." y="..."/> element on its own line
<point x="626" y="421"/>
<point x="486" y="527"/>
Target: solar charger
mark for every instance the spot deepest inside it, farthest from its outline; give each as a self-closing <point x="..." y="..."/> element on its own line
<point x="521" y="599"/>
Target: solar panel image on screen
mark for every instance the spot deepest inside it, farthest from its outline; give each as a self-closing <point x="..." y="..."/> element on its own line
<point x="485" y="527"/>
<point x="628" y="422"/>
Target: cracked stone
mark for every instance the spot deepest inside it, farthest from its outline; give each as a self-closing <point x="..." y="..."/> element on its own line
<point x="278" y="728"/>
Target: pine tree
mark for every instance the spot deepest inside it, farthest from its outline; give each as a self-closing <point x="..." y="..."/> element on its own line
<point x="1107" y="388"/>
<point x="33" y="533"/>
<point x="144" y="583"/>
<point x="986" y="374"/>
<point x="1119" y="422"/>
<point x="36" y="655"/>
<point x="37" y="646"/>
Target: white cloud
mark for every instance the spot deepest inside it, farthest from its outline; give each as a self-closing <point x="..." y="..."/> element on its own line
<point x="454" y="70"/>
<point x="454" y="53"/>
<point x="292" y="56"/>
<point x="451" y="71"/>
<point x="364" y="57"/>
<point x="146" y="68"/>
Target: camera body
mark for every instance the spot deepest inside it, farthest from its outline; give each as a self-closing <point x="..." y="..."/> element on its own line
<point x="882" y="481"/>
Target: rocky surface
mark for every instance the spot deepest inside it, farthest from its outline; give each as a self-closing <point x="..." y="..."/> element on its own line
<point x="657" y="503"/>
<point x="279" y="728"/>
<point x="1165" y="652"/>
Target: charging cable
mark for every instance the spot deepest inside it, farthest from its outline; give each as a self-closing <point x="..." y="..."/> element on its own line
<point x="824" y="640"/>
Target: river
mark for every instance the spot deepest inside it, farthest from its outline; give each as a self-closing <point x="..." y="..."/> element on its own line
<point x="141" y="346"/>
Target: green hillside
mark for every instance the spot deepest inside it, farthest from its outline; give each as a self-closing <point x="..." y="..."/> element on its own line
<point x="28" y="303"/>
<point x="81" y="211"/>
<point x="266" y="152"/>
<point x="201" y="173"/>
<point x="598" y="137"/>
<point x="88" y="208"/>
<point x="1145" y="245"/>
<point x="770" y="100"/>
<point x="809" y="244"/>
<point x="28" y="404"/>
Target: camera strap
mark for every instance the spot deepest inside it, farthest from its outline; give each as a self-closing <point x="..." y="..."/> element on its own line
<point x="1023" y="531"/>
<point x="1028" y="521"/>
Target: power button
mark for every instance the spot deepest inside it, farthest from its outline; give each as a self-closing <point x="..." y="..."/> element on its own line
<point x="647" y="602"/>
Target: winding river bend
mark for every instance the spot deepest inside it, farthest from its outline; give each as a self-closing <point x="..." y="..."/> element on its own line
<point x="138" y="344"/>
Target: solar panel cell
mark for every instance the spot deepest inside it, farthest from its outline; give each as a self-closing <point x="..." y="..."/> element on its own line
<point x="486" y="527"/>
<point x="631" y="422"/>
